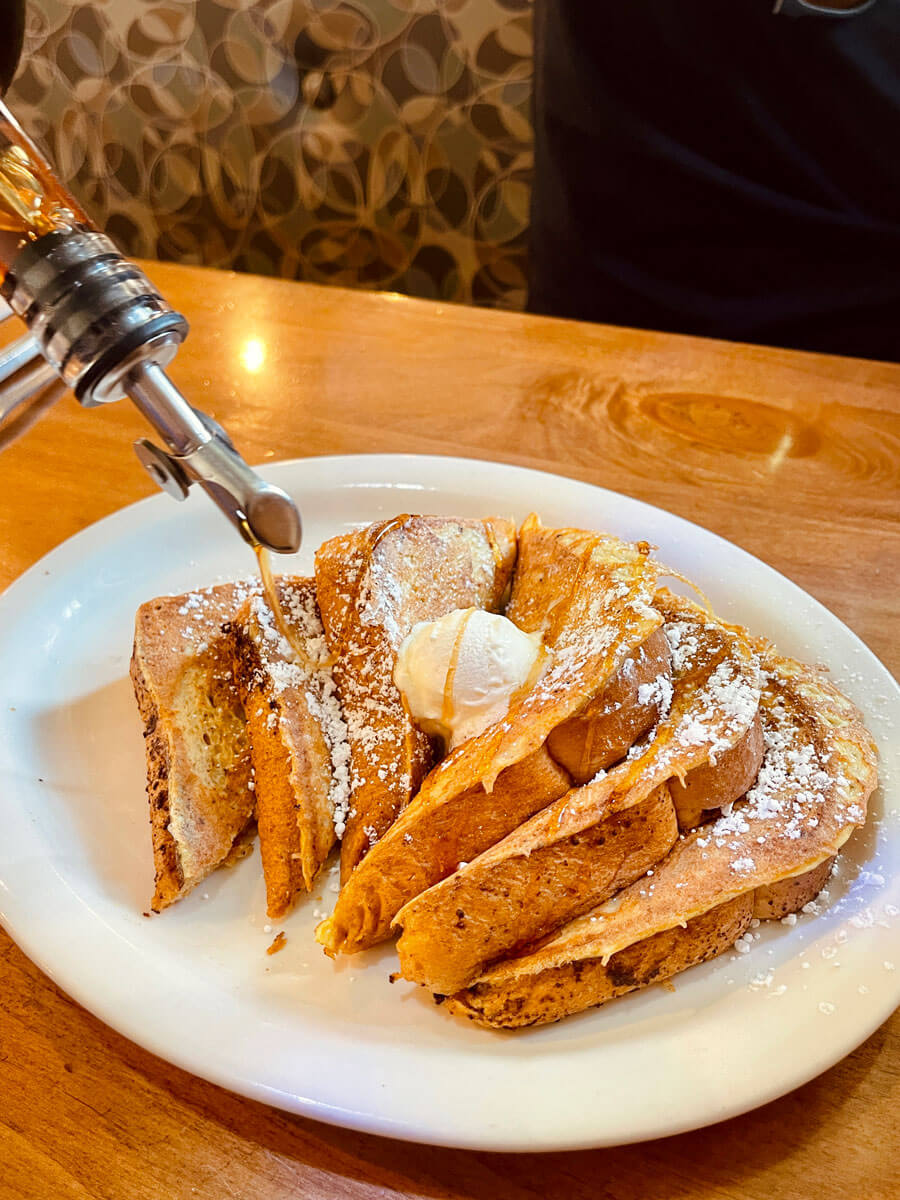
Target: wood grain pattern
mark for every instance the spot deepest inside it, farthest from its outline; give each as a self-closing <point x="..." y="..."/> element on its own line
<point x="795" y="457"/>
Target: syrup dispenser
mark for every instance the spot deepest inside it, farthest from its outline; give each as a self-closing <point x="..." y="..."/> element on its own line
<point x="108" y="333"/>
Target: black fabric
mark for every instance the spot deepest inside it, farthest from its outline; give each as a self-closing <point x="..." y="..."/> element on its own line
<point x="707" y="166"/>
<point x="12" y="33"/>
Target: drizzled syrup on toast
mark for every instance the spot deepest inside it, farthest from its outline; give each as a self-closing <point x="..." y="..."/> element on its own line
<point x="385" y="529"/>
<point x="376" y="535"/>
<point x="270" y="594"/>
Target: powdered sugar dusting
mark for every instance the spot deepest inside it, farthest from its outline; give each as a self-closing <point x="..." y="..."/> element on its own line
<point x="743" y="865"/>
<point x="203" y="611"/>
<point x="282" y="673"/>
<point x="683" y="643"/>
<point x="723" y="709"/>
<point x="711" y="701"/>
<point x="325" y="706"/>
<point x="795" y="783"/>
<point x="658" y="691"/>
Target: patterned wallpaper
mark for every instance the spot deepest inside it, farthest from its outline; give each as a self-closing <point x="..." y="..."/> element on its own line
<point x="372" y="143"/>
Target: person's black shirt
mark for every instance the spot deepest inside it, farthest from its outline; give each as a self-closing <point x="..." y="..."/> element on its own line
<point x="711" y="167"/>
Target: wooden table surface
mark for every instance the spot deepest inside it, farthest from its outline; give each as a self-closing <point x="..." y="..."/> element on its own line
<point x="795" y="457"/>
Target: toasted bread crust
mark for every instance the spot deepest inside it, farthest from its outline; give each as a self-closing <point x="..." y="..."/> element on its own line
<point x="776" y="900"/>
<point x="198" y="757"/>
<point x="587" y="983"/>
<point x="169" y="878"/>
<point x="573" y="987"/>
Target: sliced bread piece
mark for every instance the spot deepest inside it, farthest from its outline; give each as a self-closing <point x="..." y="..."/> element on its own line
<point x="298" y="739"/>
<point x="198" y="752"/>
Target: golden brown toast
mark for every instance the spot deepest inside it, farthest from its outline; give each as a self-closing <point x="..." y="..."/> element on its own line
<point x="298" y="739"/>
<point x="487" y="910"/>
<point x="630" y="705"/>
<point x="429" y="840"/>
<point x="571" y="987"/>
<point x="499" y="1002"/>
<point x="766" y="857"/>
<point x="427" y="843"/>
<point x="198" y="754"/>
<point x="722" y="659"/>
<point x="773" y="901"/>
<point x="569" y="857"/>
<point x="373" y="586"/>
<point x="708" y="788"/>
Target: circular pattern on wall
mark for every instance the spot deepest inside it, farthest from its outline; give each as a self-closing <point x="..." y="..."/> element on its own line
<point x="372" y="143"/>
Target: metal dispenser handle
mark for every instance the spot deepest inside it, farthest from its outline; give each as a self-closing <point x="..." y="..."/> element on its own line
<point x="106" y="330"/>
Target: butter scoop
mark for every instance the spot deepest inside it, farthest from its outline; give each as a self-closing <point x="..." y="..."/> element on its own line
<point x="459" y="673"/>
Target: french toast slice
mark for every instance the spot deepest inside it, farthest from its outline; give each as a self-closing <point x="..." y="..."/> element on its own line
<point x="561" y="991"/>
<point x="195" y="736"/>
<point x="765" y="858"/>
<point x="588" y="596"/>
<point x="298" y="739"/>
<point x="569" y="857"/>
<point x="373" y="586"/>
<point x="627" y="708"/>
<point x="553" y="566"/>
<point x="732" y="762"/>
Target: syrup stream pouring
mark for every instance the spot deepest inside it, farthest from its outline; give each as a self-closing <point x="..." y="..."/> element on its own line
<point x="106" y="332"/>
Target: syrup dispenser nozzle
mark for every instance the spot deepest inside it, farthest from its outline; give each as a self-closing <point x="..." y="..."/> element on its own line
<point x="108" y="333"/>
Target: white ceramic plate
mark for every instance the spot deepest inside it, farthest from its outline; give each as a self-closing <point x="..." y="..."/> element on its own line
<point x="338" y="1041"/>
